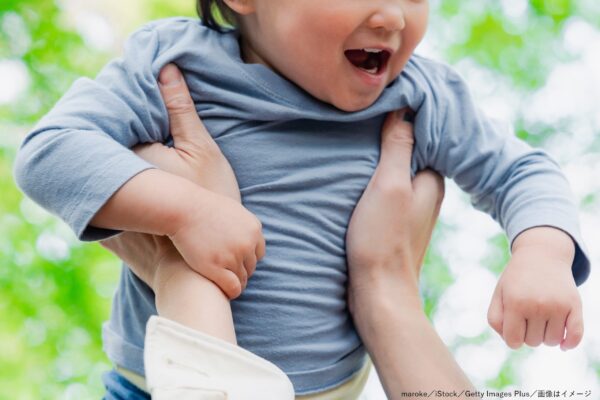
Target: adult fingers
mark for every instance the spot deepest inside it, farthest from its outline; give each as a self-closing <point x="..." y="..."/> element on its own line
<point x="574" y="329"/>
<point x="185" y="124"/>
<point x="397" y="142"/>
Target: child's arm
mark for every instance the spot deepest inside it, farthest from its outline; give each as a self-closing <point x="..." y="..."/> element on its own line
<point x="78" y="155"/>
<point x="522" y="188"/>
<point x="77" y="164"/>
<point x="181" y="294"/>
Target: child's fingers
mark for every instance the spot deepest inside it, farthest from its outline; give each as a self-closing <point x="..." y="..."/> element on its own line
<point x="495" y="312"/>
<point x="227" y="273"/>
<point x="240" y="272"/>
<point x="226" y="280"/>
<point x="243" y="274"/>
<point x="397" y="141"/>
<point x="185" y="124"/>
<point x="261" y="249"/>
<point x="555" y="331"/>
<point x="534" y="333"/>
<point x="574" y="329"/>
<point x="513" y="329"/>
<point x="250" y="264"/>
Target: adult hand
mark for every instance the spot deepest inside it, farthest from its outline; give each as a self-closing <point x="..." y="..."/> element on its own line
<point x="392" y="224"/>
<point x="195" y="156"/>
<point x="386" y="241"/>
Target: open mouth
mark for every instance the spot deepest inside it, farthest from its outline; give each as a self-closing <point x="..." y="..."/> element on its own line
<point x="372" y="61"/>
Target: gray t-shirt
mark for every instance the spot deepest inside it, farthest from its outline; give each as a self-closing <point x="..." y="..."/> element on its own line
<point x="302" y="166"/>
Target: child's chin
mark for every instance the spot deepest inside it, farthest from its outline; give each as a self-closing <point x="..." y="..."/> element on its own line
<point x="354" y="105"/>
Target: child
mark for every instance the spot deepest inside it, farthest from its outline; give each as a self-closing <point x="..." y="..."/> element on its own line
<point x="295" y="99"/>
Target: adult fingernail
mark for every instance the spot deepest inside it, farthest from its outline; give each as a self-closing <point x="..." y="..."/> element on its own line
<point x="170" y="75"/>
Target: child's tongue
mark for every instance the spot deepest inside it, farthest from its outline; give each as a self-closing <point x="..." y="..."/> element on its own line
<point x="357" y="57"/>
<point x="362" y="59"/>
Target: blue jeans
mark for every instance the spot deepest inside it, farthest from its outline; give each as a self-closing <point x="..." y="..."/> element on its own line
<point x="119" y="388"/>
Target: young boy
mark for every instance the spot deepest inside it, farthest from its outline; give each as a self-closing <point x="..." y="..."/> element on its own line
<point x="295" y="98"/>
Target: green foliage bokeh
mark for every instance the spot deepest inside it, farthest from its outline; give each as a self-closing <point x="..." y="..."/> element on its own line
<point x="52" y="306"/>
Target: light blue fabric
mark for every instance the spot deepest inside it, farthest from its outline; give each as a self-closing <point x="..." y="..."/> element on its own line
<point x="302" y="165"/>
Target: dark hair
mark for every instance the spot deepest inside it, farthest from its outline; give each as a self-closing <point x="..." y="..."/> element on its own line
<point x="215" y="14"/>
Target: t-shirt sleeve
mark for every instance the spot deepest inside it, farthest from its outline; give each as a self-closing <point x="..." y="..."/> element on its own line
<point x="520" y="187"/>
<point x="79" y="154"/>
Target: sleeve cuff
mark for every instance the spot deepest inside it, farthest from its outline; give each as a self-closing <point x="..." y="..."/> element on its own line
<point x="95" y="199"/>
<point x="560" y="220"/>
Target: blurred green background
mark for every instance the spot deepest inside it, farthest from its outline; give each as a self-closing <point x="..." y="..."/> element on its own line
<point x="531" y="63"/>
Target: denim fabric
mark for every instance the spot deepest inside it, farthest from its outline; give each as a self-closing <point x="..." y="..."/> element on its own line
<point x="119" y="388"/>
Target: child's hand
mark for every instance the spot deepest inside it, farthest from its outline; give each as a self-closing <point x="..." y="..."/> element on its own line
<point x="221" y="240"/>
<point x="195" y="156"/>
<point x="536" y="297"/>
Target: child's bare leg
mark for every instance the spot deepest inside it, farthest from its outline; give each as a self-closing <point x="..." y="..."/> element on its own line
<point x="190" y="351"/>
<point x="184" y="296"/>
<point x="181" y="294"/>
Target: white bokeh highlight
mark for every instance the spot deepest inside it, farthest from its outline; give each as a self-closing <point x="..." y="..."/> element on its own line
<point x="14" y="80"/>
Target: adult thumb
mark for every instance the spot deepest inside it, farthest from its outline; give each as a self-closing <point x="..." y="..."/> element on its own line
<point x="185" y="124"/>
<point x="397" y="141"/>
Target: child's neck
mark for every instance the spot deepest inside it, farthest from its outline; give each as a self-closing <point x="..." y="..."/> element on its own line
<point x="249" y="55"/>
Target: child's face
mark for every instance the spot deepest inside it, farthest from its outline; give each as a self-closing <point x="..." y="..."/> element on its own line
<point x="318" y="44"/>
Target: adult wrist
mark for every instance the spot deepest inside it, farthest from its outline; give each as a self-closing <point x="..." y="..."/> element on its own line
<point x="377" y="302"/>
<point x="374" y="318"/>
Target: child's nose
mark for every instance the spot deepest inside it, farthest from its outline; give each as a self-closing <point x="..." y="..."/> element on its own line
<point x="389" y="17"/>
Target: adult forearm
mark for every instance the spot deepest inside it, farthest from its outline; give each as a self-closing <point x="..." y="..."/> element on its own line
<point x="407" y="352"/>
<point x="153" y="201"/>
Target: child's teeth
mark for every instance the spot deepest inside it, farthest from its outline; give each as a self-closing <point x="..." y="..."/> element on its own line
<point x="370" y="71"/>
<point x="370" y="50"/>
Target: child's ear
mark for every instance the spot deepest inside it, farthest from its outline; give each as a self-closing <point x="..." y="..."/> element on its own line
<point x="241" y="7"/>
